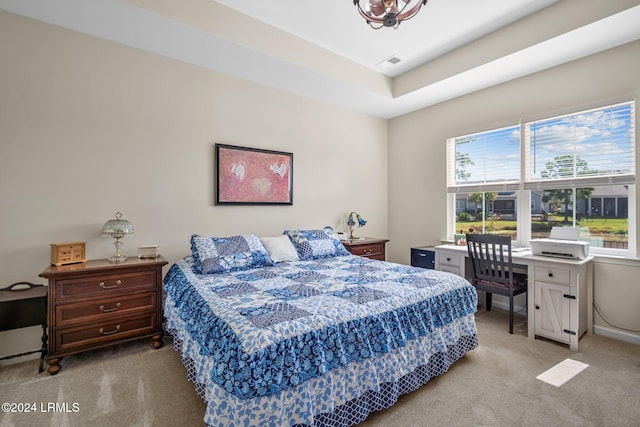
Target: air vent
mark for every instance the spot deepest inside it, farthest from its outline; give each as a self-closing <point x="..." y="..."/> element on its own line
<point x="392" y="60"/>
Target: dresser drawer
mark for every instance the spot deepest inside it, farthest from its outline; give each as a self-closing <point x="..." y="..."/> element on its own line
<point x="425" y="258"/>
<point x="97" y="334"/>
<point x="552" y="274"/>
<point x="104" y="285"/>
<point x="104" y="308"/>
<point x="451" y="259"/>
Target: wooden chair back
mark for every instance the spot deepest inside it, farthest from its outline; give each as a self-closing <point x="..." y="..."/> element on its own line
<point x="490" y="257"/>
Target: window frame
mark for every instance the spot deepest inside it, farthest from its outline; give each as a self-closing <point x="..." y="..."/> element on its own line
<point x="526" y="185"/>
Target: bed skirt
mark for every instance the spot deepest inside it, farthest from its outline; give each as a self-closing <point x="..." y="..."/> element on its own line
<point x="345" y="397"/>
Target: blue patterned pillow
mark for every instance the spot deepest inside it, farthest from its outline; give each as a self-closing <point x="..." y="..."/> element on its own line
<point x="313" y="244"/>
<point x="224" y="254"/>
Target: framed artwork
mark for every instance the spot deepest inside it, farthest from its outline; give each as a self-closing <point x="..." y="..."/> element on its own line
<point x="251" y="176"/>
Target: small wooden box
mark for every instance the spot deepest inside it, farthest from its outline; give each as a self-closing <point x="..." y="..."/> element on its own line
<point x="67" y="253"/>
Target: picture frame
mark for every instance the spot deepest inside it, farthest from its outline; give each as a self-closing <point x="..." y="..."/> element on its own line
<point x="460" y="239"/>
<point x="252" y="176"/>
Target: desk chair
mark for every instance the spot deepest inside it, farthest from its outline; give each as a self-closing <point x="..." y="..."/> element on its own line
<point x="492" y="267"/>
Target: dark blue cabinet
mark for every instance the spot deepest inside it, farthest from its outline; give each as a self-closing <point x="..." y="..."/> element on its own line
<point x="424" y="256"/>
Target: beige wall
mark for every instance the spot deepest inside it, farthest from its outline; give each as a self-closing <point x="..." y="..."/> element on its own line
<point x="417" y="210"/>
<point x="89" y="127"/>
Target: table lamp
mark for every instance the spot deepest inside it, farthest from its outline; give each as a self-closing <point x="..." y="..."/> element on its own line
<point x="117" y="228"/>
<point x="351" y="222"/>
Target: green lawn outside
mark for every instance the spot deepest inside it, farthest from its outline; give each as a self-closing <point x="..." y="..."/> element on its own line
<point x="614" y="229"/>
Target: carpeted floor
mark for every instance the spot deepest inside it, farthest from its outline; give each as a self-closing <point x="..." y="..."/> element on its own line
<point x="494" y="385"/>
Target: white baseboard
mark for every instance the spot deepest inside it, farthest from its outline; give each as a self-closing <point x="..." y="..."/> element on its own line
<point x="616" y="334"/>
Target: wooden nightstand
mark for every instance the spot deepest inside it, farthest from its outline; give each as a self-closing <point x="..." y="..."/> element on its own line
<point x="367" y="247"/>
<point x="98" y="304"/>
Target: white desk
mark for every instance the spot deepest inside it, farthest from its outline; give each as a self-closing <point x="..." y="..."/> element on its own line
<point x="559" y="295"/>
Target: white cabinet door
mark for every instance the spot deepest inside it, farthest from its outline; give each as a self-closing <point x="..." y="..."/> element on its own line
<point x="552" y="311"/>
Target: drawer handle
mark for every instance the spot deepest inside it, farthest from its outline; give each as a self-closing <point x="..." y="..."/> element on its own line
<point x="108" y="310"/>
<point x="422" y="255"/>
<point x="103" y="332"/>
<point x="550" y="274"/>
<point x="103" y="286"/>
<point x="367" y="251"/>
<point x="448" y="259"/>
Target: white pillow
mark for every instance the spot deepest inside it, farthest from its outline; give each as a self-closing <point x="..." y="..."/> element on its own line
<point x="280" y="248"/>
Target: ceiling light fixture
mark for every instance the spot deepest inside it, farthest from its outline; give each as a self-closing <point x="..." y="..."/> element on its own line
<point x="388" y="13"/>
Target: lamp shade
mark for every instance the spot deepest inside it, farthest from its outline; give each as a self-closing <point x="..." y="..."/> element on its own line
<point x="354" y="219"/>
<point x="117" y="227"/>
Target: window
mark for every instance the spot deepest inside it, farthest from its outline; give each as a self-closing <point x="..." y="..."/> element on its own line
<point x="574" y="170"/>
<point x="484" y="174"/>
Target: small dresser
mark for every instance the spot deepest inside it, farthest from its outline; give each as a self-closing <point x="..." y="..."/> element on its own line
<point x="367" y="247"/>
<point x="98" y="303"/>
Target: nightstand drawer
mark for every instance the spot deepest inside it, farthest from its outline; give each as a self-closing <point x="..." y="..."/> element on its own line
<point x="96" y="310"/>
<point x="367" y="247"/>
<point x="93" y="335"/>
<point x="104" y="285"/>
<point x="368" y="250"/>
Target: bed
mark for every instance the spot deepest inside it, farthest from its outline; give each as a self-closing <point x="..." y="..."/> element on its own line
<point x="309" y="335"/>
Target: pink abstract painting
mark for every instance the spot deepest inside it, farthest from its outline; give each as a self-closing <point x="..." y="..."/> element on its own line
<point x="253" y="176"/>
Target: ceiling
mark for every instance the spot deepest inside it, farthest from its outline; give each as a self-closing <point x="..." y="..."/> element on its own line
<point x="324" y="50"/>
<point x="440" y="26"/>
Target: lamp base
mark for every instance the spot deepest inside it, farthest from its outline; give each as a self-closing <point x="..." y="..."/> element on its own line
<point x="117" y="258"/>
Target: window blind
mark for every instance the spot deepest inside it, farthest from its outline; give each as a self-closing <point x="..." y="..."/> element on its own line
<point x="585" y="149"/>
<point x="485" y="161"/>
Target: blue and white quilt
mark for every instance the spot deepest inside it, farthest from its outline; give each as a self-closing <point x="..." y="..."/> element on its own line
<point x="317" y="342"/>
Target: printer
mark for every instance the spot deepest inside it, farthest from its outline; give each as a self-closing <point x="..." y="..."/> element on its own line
<point x="562" y="243"/>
